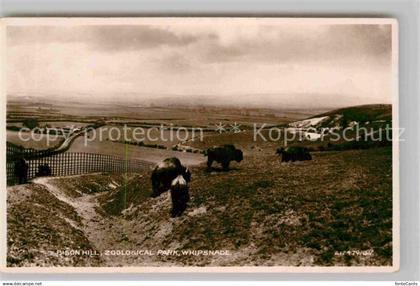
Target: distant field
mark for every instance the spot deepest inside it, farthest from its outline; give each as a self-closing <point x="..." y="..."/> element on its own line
<point x="57" y="124"/>
<point x="153" y="135"/>
<point x="184" y="116"/>
<point x="133" y="152"/>
<point x="39" y="141"/>
<point x="190" y="117"/>
<point x="59" y="114"/>
<point x="60" y="124"/>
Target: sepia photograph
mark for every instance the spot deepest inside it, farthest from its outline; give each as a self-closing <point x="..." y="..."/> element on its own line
<point x="200" y="144"/>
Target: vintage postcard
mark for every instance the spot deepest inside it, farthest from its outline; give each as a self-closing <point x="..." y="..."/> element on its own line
<point x="195" y="144"/>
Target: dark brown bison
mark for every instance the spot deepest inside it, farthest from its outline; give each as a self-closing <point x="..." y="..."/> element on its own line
<point x="179" y="195"/>
<point x="172" y="175"/>
<point x="223" y="155"/>
<point x="294" y="153"/>
<point x="21" y="170"/>
<point x="43" y="170"/>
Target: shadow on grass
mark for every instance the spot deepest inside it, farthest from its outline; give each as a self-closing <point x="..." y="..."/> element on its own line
<point x="220" y="170"/>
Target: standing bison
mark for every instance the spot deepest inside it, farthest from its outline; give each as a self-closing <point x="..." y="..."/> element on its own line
<point x="44" y="170"/>
<point x="21" y="170"/>
<point x="223" y="155"/>
<point x="179" y="195"/>
<point x="295" y="153"/>
<point x="172" y="175"/>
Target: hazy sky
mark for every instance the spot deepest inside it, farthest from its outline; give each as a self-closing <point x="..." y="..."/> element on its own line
<point x="267" y="62"/>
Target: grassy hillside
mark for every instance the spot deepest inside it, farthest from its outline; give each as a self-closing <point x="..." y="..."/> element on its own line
<point x="263" y="212"/>
<point x="362" y="114"/>
<point x="38" y="225"/>
<point x="370" y="112"/>
<point x="333" y="210"/>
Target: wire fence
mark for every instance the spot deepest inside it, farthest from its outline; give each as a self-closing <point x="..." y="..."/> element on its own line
<point x="13" y="152"/>
<point x="67" y="164"/>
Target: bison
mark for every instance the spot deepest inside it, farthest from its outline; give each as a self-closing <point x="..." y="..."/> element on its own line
<point x="165" y="173"/>
<point x="223" y="155"/>
<point x="44" y="170"/>
<point x="294" y="153"/>
<point x="172" y="175"/>
<point x="179" y="195"/>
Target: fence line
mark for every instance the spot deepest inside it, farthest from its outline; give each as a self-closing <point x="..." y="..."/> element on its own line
<point x="67" y="164"/>
<point x="14" y="151"/>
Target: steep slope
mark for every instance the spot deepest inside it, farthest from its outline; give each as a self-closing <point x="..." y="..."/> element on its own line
<point x="262" y="212"/>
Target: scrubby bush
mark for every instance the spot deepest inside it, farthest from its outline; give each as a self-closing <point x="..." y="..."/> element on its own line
<point x="31" y="123"/>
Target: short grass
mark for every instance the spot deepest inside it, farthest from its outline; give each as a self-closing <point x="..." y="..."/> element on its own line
<point x="338" y="202"/>
<point x="321" y="212"/>
<point x="39" y="225"/>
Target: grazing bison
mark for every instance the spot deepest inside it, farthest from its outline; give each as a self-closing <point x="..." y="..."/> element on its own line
<point x="295" y="153"/>
<point x="172" y="175"/>
<point x="223" y="155"/>
<point x="165" y="173"/>
<point x="21" y="170"/>
<point x="179" y="195"/>
<point x="43" y="170"/>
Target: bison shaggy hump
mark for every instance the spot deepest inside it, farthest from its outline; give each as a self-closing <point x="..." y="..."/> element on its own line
<point x="224" y="155"/>
<point x="165" y="172"/>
